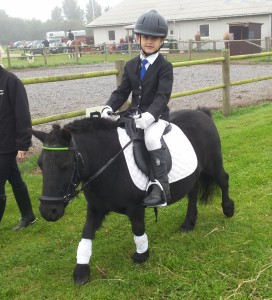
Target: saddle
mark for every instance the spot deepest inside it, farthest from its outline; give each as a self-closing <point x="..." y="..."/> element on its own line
<point x="140" y="151"/>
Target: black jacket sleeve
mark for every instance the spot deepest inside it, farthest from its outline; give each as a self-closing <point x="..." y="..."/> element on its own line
<point x="19" y="101"/>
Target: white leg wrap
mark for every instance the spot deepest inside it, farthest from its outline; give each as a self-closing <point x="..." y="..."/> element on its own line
<point x="84" y="251"/>
<point x="141" y="243"/>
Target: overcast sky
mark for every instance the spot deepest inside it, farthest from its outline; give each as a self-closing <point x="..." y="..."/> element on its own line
<point x="41" y="9"/>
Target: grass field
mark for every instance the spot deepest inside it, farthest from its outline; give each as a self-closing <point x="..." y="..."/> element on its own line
<point x="221" y="259"/>
<point x="53" y="60"/>
<point x="88" y="58"/>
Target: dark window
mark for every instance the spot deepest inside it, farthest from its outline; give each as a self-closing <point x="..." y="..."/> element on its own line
<point x="111" y="34"/>
<point x="204" y="30"/>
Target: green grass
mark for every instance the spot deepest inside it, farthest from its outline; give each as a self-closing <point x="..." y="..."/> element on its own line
<point x="221" y="259"/>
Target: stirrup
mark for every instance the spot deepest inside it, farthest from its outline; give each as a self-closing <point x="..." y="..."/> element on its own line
<point x="158" y="205"/>
<point x="156" y="182"/>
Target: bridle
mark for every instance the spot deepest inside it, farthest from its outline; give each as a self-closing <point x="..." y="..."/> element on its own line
<point x="78" y="167"/>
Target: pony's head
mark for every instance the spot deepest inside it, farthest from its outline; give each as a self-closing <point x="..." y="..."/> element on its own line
<point x="61" y="166"/>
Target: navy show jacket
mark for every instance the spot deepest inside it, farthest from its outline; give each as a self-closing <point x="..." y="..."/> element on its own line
<point x="152" y="94"/>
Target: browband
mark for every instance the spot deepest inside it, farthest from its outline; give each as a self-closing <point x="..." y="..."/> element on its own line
<point x="56" y="148"/>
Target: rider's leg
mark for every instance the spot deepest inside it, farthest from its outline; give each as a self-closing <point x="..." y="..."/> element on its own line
<point x="160" y="192"/>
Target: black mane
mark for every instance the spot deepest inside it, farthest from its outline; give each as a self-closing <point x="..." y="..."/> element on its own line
<point x="91" y="125"/>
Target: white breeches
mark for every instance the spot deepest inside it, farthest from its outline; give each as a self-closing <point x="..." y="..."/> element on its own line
<point x="153" y="134"/>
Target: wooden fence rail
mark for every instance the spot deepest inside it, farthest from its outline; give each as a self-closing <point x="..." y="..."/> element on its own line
<point x="225" y="86"/>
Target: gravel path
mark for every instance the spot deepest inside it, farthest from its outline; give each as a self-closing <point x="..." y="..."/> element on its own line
<point x="58" y="97"/>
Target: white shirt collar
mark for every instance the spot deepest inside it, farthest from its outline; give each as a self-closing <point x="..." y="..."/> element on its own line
<point x="151" y="58"/>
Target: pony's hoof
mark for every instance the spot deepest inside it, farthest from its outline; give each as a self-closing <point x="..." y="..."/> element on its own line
<point x="228" y="209"/>
<point x="185" y="227"/>
<point x="140" y="258"/>
<point x="81" y="274"/>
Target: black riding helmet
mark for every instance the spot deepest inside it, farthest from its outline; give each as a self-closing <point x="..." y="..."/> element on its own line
<point x="152" y="24"/>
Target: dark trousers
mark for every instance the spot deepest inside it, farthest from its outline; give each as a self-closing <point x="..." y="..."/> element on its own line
<point x="9" y="171"/>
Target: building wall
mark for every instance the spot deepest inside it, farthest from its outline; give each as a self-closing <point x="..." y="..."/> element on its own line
<point x="185" y="30"/>
<point x="101" y="35"/>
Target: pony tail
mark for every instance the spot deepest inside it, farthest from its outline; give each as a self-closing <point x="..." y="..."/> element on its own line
<point x="206" y="188"/>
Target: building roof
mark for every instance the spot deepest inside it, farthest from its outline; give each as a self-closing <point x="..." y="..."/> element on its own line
<point x="128" y="11"/>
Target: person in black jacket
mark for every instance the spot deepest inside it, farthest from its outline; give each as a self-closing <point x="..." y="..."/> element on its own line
<point x="71" y="36"/>
<point x="149" y="77"/>
<point x="15" y="140"/>
<point x="45" y="43"/>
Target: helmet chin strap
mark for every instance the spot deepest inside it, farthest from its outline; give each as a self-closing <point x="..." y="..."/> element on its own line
<point x="148" y="54"/>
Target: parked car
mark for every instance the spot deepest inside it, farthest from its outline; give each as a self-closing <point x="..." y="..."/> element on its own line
<point x="37" y="47"/>
<point x="56" y="46"/>
<point x="20" y="44"/>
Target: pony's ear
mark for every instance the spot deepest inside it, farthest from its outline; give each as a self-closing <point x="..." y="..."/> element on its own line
<point x="66" y="135"/>
<point x="40" y="135"/>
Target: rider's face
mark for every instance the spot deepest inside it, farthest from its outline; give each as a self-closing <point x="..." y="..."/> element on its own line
<point x="149" y="44"/>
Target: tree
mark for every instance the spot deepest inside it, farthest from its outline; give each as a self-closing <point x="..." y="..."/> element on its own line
<point x="106" y="8"/>
<point x="93" y="10"/>
<point x="56" y="15"/>
<point x="73" y="14"/>
<point x="70" y="16"/>
<point x="72" y="11"/>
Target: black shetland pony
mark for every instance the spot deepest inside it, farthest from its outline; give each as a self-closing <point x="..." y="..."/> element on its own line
<point x="88" y="151"/>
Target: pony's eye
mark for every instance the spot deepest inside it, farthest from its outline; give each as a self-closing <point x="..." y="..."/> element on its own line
<point x="66" y="166"/>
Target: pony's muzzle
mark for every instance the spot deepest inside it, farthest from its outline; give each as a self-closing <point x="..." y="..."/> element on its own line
<point x="52" y="208"/>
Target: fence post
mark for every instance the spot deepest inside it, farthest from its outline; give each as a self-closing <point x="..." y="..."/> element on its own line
<point x="267" y="44"/>
<point x="214" y="46"/>
<point x="8" y="57"/>
<point x="226" y="81"/>
<point x="120" y="66"/>
<point x="130" y="49"/>
<point x="190" y="46"/>
<point x="44" y="56"/>
<point x="76" y="53"/>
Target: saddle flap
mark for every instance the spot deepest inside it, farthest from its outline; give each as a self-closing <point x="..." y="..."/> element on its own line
<point x="140" y="152"/>
<point x="141" y="155"/>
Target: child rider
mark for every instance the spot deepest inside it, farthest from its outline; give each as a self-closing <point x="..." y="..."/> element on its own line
<point x="149" y="77"/>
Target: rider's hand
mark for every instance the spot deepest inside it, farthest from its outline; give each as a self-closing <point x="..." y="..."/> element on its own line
<point x="21" y="154"/>
<point x="105" y="112"/>
<point x="144" y="120"/>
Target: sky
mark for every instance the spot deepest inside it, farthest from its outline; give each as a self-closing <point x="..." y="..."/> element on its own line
<point x="41" y="9"/>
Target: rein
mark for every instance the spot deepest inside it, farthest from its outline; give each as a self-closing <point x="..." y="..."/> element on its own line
<point x="71" y="194"/>
<point x="102" y="169"/>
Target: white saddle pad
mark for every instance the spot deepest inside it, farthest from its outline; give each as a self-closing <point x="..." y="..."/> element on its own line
<point x="184" y="160"/>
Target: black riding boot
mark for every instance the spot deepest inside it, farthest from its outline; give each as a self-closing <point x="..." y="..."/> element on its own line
<point x="159" y="195"/>
<point x="2" y="206"/>
<point x="23" y="201"/>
